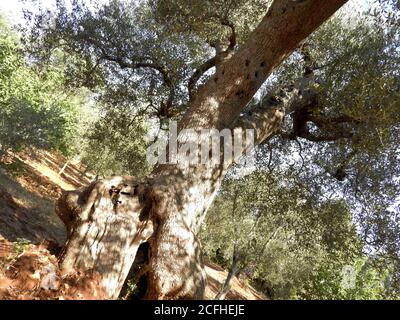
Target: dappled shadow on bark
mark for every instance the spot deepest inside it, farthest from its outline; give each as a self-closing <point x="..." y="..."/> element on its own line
<point x="182" y="197"/>
<point x="106" y="224"/>
<point x="183" y="276"/>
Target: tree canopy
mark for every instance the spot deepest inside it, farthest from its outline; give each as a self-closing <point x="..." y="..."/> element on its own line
<point x="35" y="108"/>
<point x="325" y="190"/>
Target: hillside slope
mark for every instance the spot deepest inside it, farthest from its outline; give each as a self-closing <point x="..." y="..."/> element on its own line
<point x="30" y="183"/>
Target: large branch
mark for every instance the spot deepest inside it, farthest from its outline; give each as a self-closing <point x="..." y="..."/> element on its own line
<point x="327" y="137"/>
<point x="266" y="118"/>
<point x="212" y="62"/>
<point x="198" y="73"/>
<point x="220" y="101"/>
<point x="126" y="63"/>
<point x="322" y="121"/>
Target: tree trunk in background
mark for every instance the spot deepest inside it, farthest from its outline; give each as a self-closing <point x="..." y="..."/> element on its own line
<point x="233" y="272"/>
<point x="226" y="287"/>
<point x="109" y="220"/>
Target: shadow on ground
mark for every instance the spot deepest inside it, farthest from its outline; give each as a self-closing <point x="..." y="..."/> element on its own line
<point x="29" y="186"/>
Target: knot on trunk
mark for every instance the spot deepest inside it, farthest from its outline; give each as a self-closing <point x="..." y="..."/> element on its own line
<point x="106" y="221"/>
<point x="78" y="205"/>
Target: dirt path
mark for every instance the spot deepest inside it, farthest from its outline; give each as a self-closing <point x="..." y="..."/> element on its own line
<point x="29" y="185"/>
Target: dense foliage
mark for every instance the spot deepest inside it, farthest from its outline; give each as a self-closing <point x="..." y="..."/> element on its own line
<point x="290" y="245"/>
<point x="40" y="107"/>
<point x="35" y="110"/>
<point x="116" y="144"/>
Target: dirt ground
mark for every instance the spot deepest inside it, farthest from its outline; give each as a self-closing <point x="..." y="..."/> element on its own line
<point x="30" y="183"/>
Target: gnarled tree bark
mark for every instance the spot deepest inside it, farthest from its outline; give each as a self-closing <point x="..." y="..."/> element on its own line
<point x="110" y="219"/>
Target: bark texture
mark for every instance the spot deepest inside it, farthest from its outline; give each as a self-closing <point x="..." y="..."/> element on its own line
<point x="106" y="223"/>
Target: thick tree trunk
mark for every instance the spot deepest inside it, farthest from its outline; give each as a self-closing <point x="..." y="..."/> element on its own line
<point x="185" y="194"/>
<point x="112" y="217"/>
<point x="226" y="287"/>
<point x="106" y="223"/>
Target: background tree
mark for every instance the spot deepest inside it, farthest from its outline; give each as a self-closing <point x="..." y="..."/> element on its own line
<point x="287" y="244"/>
<point x="35" y="110"/>
<point x="361" y="168"/>
<point x="116" y="144"/>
